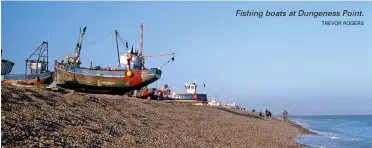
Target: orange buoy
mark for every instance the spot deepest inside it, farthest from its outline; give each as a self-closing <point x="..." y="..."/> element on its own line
<point x="129" y="73"/>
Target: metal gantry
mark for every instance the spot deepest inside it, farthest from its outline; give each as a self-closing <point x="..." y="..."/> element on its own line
<point x="38" y="60"/>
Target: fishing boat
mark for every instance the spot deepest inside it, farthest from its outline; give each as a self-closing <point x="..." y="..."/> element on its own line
<point x="6" y="66"/>
<point x="71" y="75"/>
<point x="190" y="96"/>
<point x="37" y="64"/>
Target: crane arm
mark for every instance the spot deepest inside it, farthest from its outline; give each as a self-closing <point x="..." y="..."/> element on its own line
<point x="158" y="55"/>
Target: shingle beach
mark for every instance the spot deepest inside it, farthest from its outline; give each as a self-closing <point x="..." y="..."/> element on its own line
<point x="34" y="117"/>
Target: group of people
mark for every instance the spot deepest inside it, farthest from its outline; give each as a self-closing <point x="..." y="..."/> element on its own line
<point x="164" y="90"/>
<point x="269" y="115"/>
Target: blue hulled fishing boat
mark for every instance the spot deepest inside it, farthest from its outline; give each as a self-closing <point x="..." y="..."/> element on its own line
<point x="190" y="96"/>
<point x="6" y="66"/>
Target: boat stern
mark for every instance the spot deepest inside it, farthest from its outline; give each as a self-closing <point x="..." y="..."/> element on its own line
<point x="155" y="72"/>
<point x="151" y="75"/>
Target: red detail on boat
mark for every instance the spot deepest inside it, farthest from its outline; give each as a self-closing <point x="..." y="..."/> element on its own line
<point x="165" y="95"/>
<point x="129" y="57"/>
<point x="195" y="96"/>
<point x="135" y="79"/>
<point x="108" y="68"/>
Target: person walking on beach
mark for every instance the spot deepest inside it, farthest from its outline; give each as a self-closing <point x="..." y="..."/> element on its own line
<point x="268" y="114"/>
<point x="285" y="114"/>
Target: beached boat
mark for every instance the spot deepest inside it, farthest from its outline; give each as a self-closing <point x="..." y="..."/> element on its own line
<point x="37" y="64"/>
<point x="70" y="75"/>
<point x="6" y="67"/>
<point x="190" y="96"/>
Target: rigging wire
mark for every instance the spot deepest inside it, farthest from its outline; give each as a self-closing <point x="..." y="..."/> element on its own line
<point x="95" y="41"/>
<point x="91" y="43"/>
<point x="121" y="39"/>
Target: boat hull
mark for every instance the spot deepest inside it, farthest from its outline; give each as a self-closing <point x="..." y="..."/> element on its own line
<point x="6" y="67"/>
<point x="184" y="98"/>
<point x="30" y="79"/>
<point x="102" y="81"/>
<point x="144" y="93"/>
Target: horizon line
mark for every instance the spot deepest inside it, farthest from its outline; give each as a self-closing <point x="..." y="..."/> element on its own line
<point x="191" y="0"/>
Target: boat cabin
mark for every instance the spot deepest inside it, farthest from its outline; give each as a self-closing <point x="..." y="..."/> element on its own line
<point x="37" y="67"/>
<point x="191" y="88"/>
<point x="135" y="63"/>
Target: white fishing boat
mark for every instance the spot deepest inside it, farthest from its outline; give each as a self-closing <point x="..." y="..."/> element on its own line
<point x="190" y="96"/>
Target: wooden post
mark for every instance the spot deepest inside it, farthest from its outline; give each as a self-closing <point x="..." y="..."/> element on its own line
<point x="141" y="47"/>
<point x="26" y="68"/>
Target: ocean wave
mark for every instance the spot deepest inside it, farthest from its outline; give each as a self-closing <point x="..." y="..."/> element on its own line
<point x="335" y="132"/>
<point x="300" y="122"/>
<point x="303" y="124"/>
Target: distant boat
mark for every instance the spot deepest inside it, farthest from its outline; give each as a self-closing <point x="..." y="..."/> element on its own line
<point x="145" y="93"/>
<point x="190" y="96"/>
<point x="70" y="75"/>
<point x="39" y="72"/>
<point x="213" y="102"/>
<point x="6" y="66"/>
<point x="231" y="105"/>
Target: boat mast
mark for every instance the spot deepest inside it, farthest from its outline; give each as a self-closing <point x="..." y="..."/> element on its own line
<point x="117" y="47"/>
<point x="78" y="47"/>
<point x="91" y="63"/>
<point x="141" y="46"/>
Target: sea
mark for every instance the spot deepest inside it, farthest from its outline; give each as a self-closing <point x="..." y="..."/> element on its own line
<point x="336" y="131"/>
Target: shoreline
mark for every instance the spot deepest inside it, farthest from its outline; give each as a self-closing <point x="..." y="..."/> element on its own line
<point x="305" y="130"/>
<point x="37" y="117"/>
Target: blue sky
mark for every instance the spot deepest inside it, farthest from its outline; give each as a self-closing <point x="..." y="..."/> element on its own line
<point x="292" y="63"/>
